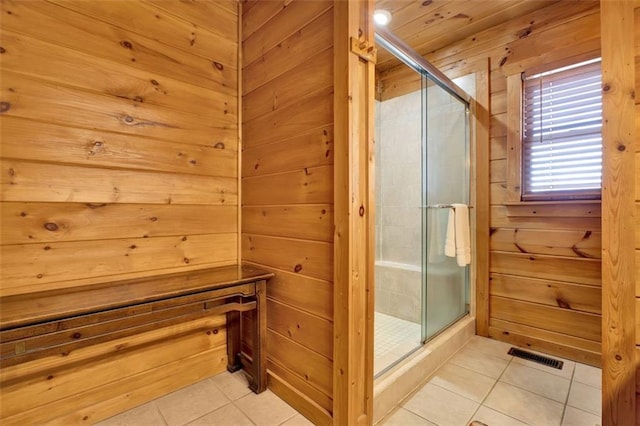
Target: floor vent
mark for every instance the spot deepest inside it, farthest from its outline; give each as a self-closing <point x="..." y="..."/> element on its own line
<point x="540" y="359"/>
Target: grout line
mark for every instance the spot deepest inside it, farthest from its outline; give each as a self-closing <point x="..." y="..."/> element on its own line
<point x="491" y="390"/>
<point x="159" y="412"/>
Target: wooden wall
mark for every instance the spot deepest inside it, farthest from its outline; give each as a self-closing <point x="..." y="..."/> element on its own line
<point x="545" y="263"/>
<point x="287" y="190"/>
<point x="619" y="202"/>
<point x="637" y="197"/>
<point x="637" y="203"/>
<point x="119" y="160"/>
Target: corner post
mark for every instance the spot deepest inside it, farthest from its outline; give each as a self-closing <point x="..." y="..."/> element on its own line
<point x="354" y="96"/>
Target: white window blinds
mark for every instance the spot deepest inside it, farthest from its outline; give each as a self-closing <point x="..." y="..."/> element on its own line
<point x="562" y="141"/>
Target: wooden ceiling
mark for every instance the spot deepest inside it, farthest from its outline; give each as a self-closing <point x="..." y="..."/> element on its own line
<point x="428" y="25"/>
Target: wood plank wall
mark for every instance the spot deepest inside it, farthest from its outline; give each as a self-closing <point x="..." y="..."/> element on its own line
<point x="544" y="262"/>
<point x="119" y="159"/>
<point x="637" y="197"/>
<point x="287" y="196"/>
<point x="619" y="195"/>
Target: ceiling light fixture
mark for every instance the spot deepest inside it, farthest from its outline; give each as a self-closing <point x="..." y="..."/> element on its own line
<point x="381" y="17"/>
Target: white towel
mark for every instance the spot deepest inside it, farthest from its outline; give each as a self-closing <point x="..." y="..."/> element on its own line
<point x="458" y="240"/>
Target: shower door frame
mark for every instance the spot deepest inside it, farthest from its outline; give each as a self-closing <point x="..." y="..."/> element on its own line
<point x="428" y="72"/>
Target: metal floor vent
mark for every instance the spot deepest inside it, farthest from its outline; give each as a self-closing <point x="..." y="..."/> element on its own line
<point x="540" y="359"/>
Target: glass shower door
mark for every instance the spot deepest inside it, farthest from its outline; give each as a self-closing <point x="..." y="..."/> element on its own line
<point x="446" y="181"/>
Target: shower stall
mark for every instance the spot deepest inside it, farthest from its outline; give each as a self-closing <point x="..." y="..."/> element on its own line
<point x="422" y="169"/>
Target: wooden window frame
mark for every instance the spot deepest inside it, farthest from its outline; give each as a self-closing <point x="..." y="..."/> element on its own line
<point x="514" y="143"/>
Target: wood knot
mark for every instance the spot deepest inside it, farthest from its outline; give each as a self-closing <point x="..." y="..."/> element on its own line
<point x="219" y="145"/>
<point x="23" y="214"/>
<point x="297" y="268"/>
<point x="4" y="107"/>
<point x="39" y="276"/>
<point x="621" y="147"/>
<point x="361" y="211"/>
<point x="47" y="248"/>
<point x="186" y="260"/>
<point x="2" y="49"/>
<point x="50" y="377"/>
<point x="184" y="238"/>
<point x="218" y="65"/>
<point x="606" y="88"/>
<point x="618" y="358"/>
<point x="215" y="331"/>
<point x="324" y="211"/>
<point x="154" y="82"/>
<point x="50" y="226"/>
<point x="524" y="33"/>
<point x="503" y="61"/>
<point x="133" y="246"/>
<point x="76" y="335"/>
<point x="153" y="218"/>
<point x="128" y="119"/>
<point x="194" y="162"/>
<point x="126" y="44"/>
<point x="139" y="99"/>
<point x="427" y="2"/>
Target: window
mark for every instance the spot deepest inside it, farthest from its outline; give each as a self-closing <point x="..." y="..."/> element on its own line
<point x="560" y="140"/>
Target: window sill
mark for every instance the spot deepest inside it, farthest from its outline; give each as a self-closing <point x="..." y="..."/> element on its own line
<point x="560" y="208"/>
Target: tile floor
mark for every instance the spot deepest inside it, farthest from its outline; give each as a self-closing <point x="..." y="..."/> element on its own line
<point x="394" y="338"/>
<point x="482" y="382"/>
<point x="223" y="400"/>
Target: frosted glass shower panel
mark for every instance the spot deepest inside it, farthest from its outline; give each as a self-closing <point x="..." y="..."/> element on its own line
<point x="447" y="182"/>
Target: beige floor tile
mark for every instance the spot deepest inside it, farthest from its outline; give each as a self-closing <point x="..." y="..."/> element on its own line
<point x="566" y="371"/>
<point x="575" y="417"/>
<point x="265" y="408"/>
<point x="537" y="381"/>
<point x="524" y="405"/>
<point x="190" y="403"/>
<point x="146" y="414"/>
<point x="297" y="420"/>
<point x="404" y="417"/>
<point x="441" y="406"/>
<point x="490" y="347"/>
<point x="228" y="415"/>
<point x="493" y="418"/>
<point x="234" y="385"/>
<point x="588" y="375"/>
<point x="585" y="398"/>
<point x="463" y="381"/>
<point x="479" y="362"/>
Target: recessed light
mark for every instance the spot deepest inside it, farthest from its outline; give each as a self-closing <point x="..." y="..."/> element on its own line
<point x="382" y="17"/>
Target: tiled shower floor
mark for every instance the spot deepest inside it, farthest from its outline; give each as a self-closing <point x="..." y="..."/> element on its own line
<point x="394" y="338"/>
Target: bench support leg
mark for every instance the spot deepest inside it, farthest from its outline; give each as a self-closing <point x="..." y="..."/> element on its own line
<point x="233" y="341"/>
<point x="259" y="366"/>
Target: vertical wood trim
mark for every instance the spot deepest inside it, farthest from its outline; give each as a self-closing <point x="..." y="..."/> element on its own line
<point x="482" y="142"/>
<point x="618" y="239"/>
<point x="353" y="278"/>
<point x="514" y="137"/>
<point x="239" y="150"/>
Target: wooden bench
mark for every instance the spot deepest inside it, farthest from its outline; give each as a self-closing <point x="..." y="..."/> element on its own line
<point x="56" y="322"/>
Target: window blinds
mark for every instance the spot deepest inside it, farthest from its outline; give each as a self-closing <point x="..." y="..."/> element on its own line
<point x="562" y="141"/>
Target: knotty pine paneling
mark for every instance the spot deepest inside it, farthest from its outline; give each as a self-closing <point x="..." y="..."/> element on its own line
<point x="119" y="159"/>
<point x="287" y="189"/>
<point x="545" y="260"/>
<point x="637" y="213"/>
<point x="43" y="20"/>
